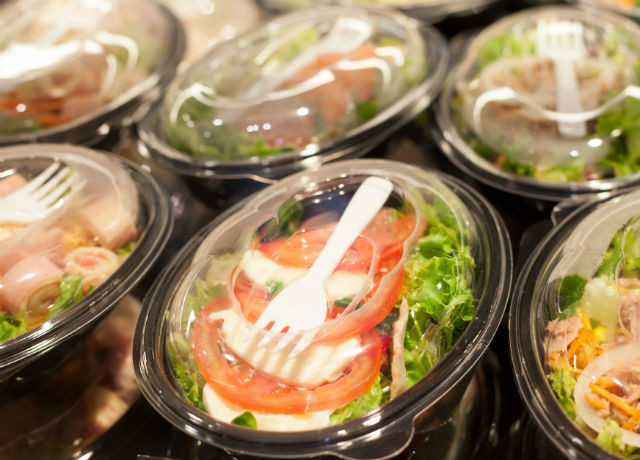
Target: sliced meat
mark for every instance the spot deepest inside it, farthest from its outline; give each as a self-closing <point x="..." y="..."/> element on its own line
<point x="109" y="222"/>
<point x="30" y="287"/>
<point x="629" y="314"/>
<point x="629" y="282"/>
<point x="398" y="370"/>
<point x="11" y="183"/>
<point x="48" y="242"/>
<point x="95" y="264"/>
<point x="561" y="332"/>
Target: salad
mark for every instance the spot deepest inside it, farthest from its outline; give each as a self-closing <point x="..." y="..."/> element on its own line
<point x="49" y="265"/>
<point x="298" y="82"/>
<point x="504" y="105"/>
<point x="209" y="22"/>
<point x="64" y="60"/>
<point x="592" y="349"/>
<point x="399" y="300"/>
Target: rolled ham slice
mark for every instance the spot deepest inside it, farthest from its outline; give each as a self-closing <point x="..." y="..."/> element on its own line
<point x="11" y="183"/>
<point x="95" y="264"/>
<point x="109" y="222"/>
<point x="30" y="287"/>
<point x="46" y="242"/>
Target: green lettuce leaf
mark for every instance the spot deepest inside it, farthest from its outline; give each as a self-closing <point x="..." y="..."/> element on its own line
<point x="11" y="327"/>
<point x="563" y="382"/>
<point x="363" y="403"/>
<point x="610" y="437"/>
<point x="70" y="293"/>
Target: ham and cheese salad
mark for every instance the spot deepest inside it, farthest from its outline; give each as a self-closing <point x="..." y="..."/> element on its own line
<point x="65" y="60"/>
<point x="298" y="82"/>
<point x="502" y="99"/>
<point x="50" y="264"/>
<point x="398" y="301"/>
<point x="592" y="349"/>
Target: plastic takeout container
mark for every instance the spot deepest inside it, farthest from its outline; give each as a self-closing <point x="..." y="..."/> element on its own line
<point x="207" y="23"/>
<point x="61" y="275"/>
<point x="74" y="69"/>
<point x="573" y="333"/>
<point x="435" y="243"/>
<point x="502" y="120"/>
<point x="427" y="10"/>
<point x="300" y="90"/>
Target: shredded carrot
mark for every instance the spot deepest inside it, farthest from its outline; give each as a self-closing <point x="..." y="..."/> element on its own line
<point x="613" y="399"/>
<point x="586" y="323"/>
<point x="567" y="367"/>
<point x="500" y="161"/>
<point x="632" y="422"/>
<point x="606" y="382"/>
<point x="596" y="402"/>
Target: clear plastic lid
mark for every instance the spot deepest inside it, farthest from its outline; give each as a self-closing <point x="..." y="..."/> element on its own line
<point x="78" y="229"/>
<point x="630" y="8"/>
<point x="575" y="330"/>
<point x="208" y="22"/>
<point x="548" y="95"/>
<point x="430" y="10"/>
<point x="317" y="81"/>
<point x="349" y="336"/>
<point x="50" y="260"/>
<point x="64" y="62"/>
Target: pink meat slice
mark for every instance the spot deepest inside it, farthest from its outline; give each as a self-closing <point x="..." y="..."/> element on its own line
<point x="47" y="242"/>
<point x="25" y="276"/>
<point x="561" y="332"/>
<point x="11" y="183"/>
<point x="109" y="222"/>
<point x="629" y="313"/>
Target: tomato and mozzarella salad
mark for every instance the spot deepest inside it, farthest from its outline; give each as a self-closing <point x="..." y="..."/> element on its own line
<point x="50" y="264"/>
<point x="396" y="303"/>
<point x="291" y="84"/>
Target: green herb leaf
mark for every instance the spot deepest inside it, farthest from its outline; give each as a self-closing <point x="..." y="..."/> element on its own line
<point x="366" y="110"/>
<point x="342" y="302"/>
<point x="274" y="287"/>
<point x="246" y="419"/>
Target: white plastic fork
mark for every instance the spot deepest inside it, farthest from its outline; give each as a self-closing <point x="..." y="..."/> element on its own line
<point x="302" y="305"/>
<point x="563" y="42"/>
<point x="40" y="197"/>
<point x="346" y="35"/>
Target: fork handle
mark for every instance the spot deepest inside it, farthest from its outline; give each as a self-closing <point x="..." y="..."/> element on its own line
<point x="568" y="98"/>
<point x="364" y="205"/>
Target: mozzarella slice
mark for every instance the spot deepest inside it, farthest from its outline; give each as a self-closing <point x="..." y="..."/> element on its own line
<point x="262" y="270"/>
<point x="225" y="411"/>
<point x="317" y="364"/>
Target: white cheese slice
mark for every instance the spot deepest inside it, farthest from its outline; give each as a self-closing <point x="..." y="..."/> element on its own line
<point x="225" y="411"/>
<point x="317" y="364"/>
<point x="262" y="270"/>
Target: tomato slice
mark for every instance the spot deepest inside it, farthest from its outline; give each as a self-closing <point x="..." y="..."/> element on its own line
<point x="253" y="300"/>
<point x="386" y="232"/>
<point x="243" y="385"/>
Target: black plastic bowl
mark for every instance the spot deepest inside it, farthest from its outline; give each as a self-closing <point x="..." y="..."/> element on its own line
<point x="43" y="349"/>
<point x="381" y="433"/>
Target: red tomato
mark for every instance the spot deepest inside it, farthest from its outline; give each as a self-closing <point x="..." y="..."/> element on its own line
<point x="252" y="390"/>
<point x="303" y="248"/>
<point x="254" y="300"/>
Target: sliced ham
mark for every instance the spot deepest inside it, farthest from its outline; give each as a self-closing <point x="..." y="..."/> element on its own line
<point x="109" y="222"/>
<point x="95" y="264"/>
<point x="399" y="382"/>
<point x="46" y="242"/>
<point x="30" y="287"/>
<point x="11" y="183"/>
<point x="561" y="332"/>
